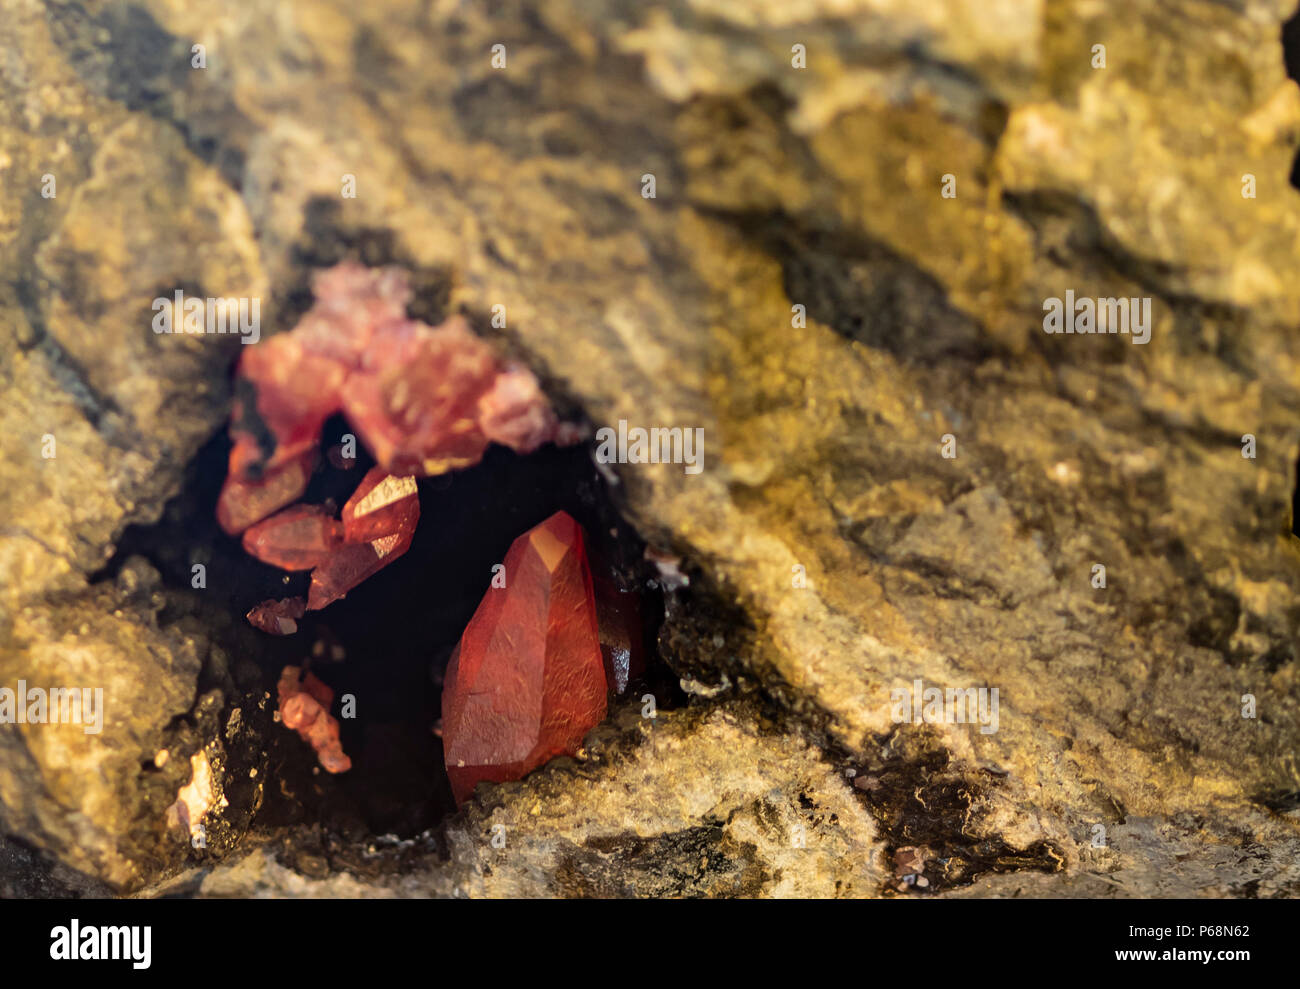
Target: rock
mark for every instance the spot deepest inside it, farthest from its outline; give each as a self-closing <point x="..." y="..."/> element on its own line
<point x="77" y="788"/>
<point x="686" y="805"/>
<point x="799" y="288"/>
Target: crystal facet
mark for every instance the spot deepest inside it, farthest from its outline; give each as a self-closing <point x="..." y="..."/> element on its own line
<point x="383" y="504"/>
<point x="528" y="681"/>
<point x="378" y="525"/>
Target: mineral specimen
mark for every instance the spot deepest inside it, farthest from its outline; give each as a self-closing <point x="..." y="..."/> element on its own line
<point x="414" y="400"/>
<point x="278" y="617"/>
<point x="352" y="563"/>
<point x="382" y="504"/>
<point x="528" y="680"/>
<point x="297" y="538"/>
<point x="304" y="707"/>
<point x="379" y="523"/>
<point x="424" y="400"/>
<point x="514" y="412"/>
<point x="242" y="502"/>
<point x="817" y="188"/>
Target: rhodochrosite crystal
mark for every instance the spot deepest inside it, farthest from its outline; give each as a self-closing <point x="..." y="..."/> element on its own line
<point x="383" y="504"/>
<point x="379" y="523"/>
<point x="414" y="400"/>
<point x="424" y="400"/>
<point x="352" y="563"/>
<point x="278" y="617"/>
<point x="298" y="538"/>
<point x="244" y="502"/>
<point x="527" y="681"/>
<point x="304" y="707"/>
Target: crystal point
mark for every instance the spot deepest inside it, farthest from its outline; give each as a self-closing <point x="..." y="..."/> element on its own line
<point x="528" y="680"/>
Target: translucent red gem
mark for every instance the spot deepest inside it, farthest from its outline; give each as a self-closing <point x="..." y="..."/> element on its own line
<point x="352" y="563"/>
<point x="297" y="538"/>
<point x="528" y="679"/>
<point x="378" y="525"/>
<point x="383" y="504"/>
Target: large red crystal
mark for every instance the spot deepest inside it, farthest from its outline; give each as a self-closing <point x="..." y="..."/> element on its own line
<point x="528" y="680"/>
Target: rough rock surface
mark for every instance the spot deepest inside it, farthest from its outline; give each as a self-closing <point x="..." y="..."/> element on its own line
<point x="775" y="187"/>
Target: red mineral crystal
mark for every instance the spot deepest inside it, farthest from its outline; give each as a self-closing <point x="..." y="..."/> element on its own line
<point x="352" y="301"/>
<point x="379" y="523"/>
<point x="515" y="413"/>
<point x="424" y="400"/>
<point x="297" y="390"/>
<point x="297" y="538"/>
<point x="242" y="503"/>
<point x="304" y="704"/>
<point x="414" y="402"/>
<point x="278" y="617"/>
<point x="352" y="563"/>
<point x="527" y="681"/>
<point x="383" y="504"/>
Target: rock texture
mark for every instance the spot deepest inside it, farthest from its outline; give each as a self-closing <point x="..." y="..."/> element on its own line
<point x="799" y="288"/>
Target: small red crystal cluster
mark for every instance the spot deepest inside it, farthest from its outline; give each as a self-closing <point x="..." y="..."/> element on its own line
<point x="423" y="399"/>
<point x="535" y="665"/>
<point x="533" y="670"/>
<point x="304" y="703"/>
